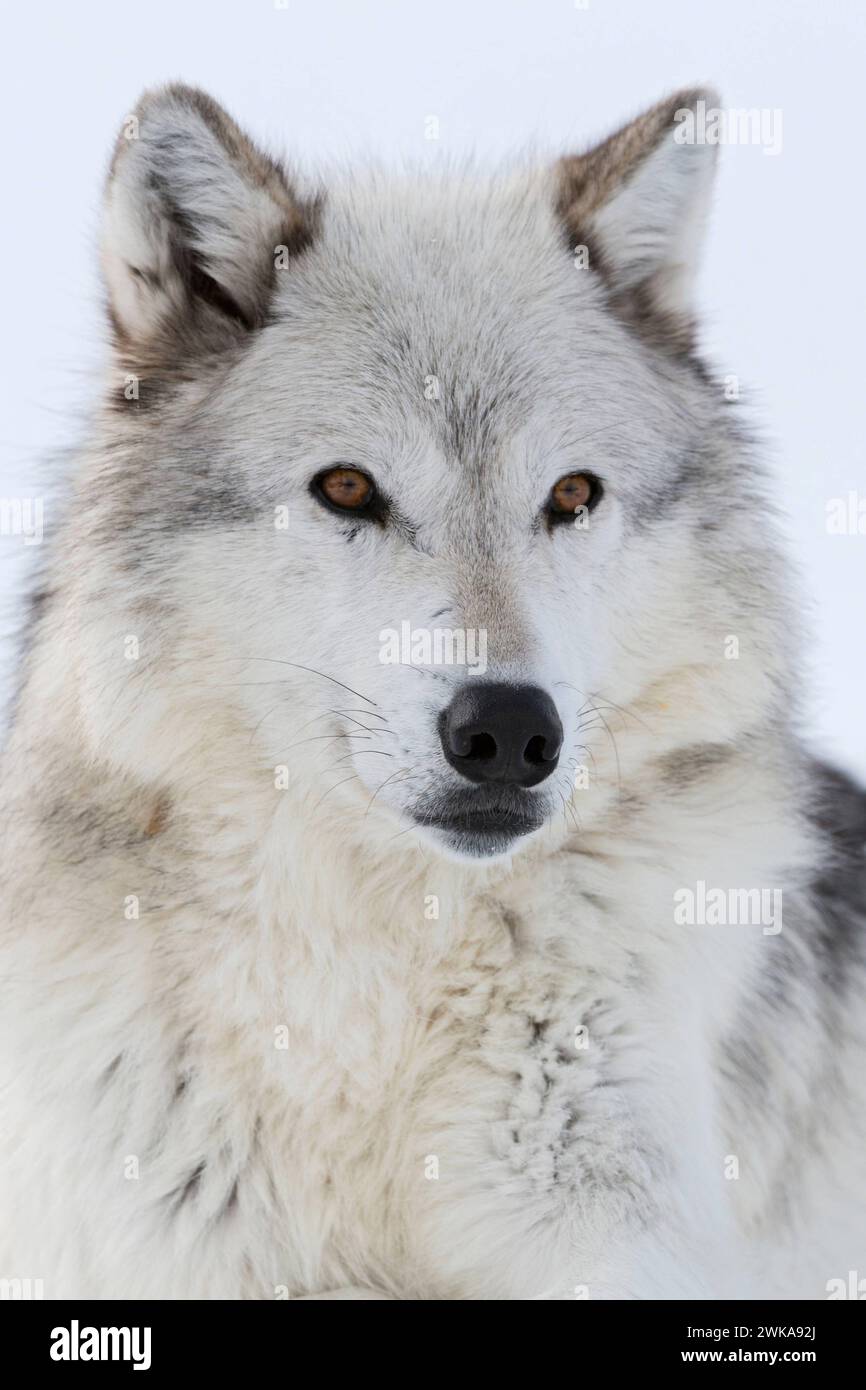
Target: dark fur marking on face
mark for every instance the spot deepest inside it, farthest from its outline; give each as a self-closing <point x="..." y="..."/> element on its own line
<point x="688" y="479"/>
<point x="213" y="497"/>
<point x="686" y="766"/>
<point x="469" y="417"/>
<point x="465" y="417"/>
<point x="218" y="505"/>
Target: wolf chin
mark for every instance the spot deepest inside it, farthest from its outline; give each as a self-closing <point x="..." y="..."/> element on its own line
<point x="325" y="976"/>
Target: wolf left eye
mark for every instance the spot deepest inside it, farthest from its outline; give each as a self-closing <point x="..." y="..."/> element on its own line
<point x="573" y="491"/>
<point x="346" y="489"/>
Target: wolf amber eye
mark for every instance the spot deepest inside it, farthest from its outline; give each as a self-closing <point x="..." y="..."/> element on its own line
<point x="348" y="489"/>
<point x="573" y="491"/>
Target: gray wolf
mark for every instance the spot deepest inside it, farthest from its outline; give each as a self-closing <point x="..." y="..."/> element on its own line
<point x="335" y="968"/>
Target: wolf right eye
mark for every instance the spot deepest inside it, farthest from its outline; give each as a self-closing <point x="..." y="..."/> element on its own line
<point x="573" y="491"/>
<point x="348" y="490"/>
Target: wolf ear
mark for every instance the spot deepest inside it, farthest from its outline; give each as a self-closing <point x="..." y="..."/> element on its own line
<point x="195" y="217"/>
<point x="639" y="201"/>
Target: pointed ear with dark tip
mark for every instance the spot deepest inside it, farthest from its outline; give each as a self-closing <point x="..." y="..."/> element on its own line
<point x="639" y="202"/>
<point x="195" y="220"/>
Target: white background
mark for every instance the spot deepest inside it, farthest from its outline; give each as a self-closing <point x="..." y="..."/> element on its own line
<point x="783" y="288"/>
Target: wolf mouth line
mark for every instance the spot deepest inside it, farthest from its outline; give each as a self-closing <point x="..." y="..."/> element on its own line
<point x="479" y="825"/>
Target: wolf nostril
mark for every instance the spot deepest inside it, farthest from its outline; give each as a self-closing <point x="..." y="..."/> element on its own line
<point x="509" y="734"/>
<point x="534" y="750"/>
<point x="481" y="746"/>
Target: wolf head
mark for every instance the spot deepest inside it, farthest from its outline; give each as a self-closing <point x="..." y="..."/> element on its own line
<point x="413" y="491"/>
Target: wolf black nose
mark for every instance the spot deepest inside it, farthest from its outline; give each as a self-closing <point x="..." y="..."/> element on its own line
<point x="501" y="733"/>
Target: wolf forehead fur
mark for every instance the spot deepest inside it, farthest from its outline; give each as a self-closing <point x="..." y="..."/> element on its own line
<point x="304" y="1047"/>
